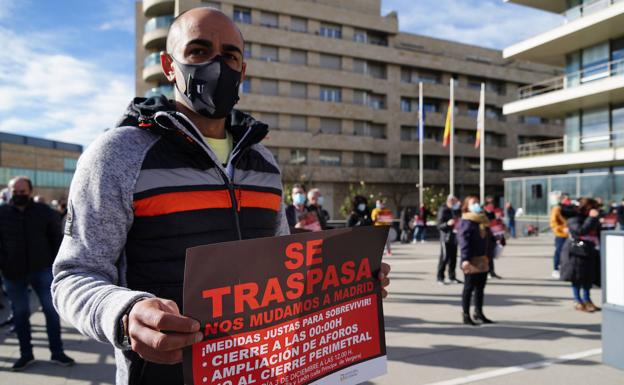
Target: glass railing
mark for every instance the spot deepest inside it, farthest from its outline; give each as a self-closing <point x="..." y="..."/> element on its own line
<point x="573" y="79"/>
<point x="160" y="22"/>
<point x="165" y="89"/>
<point x="569" y="144"/>
<point x="588" y="9"/>
<point x="151" y="59"/>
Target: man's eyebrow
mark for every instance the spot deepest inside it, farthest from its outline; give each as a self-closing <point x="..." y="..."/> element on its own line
<point x="204" y="42"/>
<point x="230" y="48"/>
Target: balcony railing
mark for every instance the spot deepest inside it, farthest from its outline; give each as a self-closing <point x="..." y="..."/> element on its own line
<point x="569" y="144"/>
<point x="587" y="9"/>
<point x="573" y="79"/>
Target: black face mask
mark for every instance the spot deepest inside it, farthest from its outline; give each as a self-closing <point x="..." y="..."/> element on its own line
<point x="211" y="87"/>
<point x="20" y="200"/>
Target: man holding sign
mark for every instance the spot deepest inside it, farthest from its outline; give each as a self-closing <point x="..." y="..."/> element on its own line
<point x="175" y="175"/>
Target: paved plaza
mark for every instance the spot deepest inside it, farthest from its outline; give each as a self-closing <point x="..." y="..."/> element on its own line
<point x="538" y="339"/>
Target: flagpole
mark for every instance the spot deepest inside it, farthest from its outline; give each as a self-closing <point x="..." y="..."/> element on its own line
<point x="421" y="138"/>
<point x="482" y="144"/>
<point x="452" y="141"/>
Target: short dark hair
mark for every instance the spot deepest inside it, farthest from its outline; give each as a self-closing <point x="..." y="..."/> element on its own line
<point x="24" y="178"/>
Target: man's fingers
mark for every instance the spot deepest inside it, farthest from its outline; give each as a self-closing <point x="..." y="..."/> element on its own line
<point x="149" y="354"/>
<point x="170" y="306"/>
<point x="153" y="316"/>
<point x="385" y="268"/>
<point x="161" y="341"/>
<point x="384" y="293"/>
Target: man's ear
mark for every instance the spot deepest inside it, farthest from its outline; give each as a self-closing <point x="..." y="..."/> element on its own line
<point x="166" y="63"/>
<point x="243" y="70"/>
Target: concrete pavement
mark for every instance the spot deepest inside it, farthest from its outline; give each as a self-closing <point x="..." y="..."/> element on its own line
<point x="538" y="339"/>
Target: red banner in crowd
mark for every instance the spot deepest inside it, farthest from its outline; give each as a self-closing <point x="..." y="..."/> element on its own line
<point x="293" y="310"/>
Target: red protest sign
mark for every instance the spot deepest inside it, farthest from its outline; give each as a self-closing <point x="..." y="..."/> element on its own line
<point x="294" y="310"/>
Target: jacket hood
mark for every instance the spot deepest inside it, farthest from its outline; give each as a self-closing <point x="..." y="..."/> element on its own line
<point x="140" y="113"/>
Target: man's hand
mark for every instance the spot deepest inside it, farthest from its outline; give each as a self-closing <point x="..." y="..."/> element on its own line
<point x="450" y="222"/>
<point x="158" y="332"/>
<point x="383" y="277"/>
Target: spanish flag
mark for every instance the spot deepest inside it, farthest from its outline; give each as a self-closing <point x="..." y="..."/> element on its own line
<point x="447" y="126"/>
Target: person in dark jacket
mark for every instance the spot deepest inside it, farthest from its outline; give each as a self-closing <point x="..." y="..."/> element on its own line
<point x="147" y="190"/>
<point x="315" y="205"/>
<point x="510" y="214"/>
<point x="620" y="215"/>
<point x="476" y="244"/>
<point x="580" y="258"/>
<point x="406" y="224"/>
<point x="298" y="208"/>
<point x="360" y="213"/>
<point x="30" y="235"/>
<point x="448" y="216"/>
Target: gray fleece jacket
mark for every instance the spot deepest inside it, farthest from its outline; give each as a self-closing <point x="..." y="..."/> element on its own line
<point x="89" y="288"/>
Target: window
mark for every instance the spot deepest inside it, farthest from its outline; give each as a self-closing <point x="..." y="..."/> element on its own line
<point x="298" y="90"/>
<point x="247" y="53"/>
<point x="377" y="102"/>
<point x="595" y="129"/>
<point x="434" y="133"/>
<point x="409" y="161"/>
<point x="472" y="110"/>
<point x="359" y="36"/>
<point x="493" y="165"/>
<point x="496" y="140"/>
<point x="298" y="156"/>
<point x="298" y="24"/>
<point x="271" y="119"/>
<point x="242" y="15"/>
<point x="376" y="38"/>
<point x="69" y="164"/>
<point x="360" y="97"/>
<point x="298" y="57"/>
<point x="474" y="84"/>
<point x="431" y="162"/>
<point x="617" y="126"/>
<point x="246" y="86"/>
<point x="369" y="159"/>
<point x="364" y="128"/>
<point x="331" y="94"/>
<point x="376" y="70"/>
<point x="531" y="120"/>
<point x="406" y="105"/>
<point x="269" y="53"/>
<point x="269" y="19"/>
<point x="595" y="61"/>
<point x="430" y="105"/>
<point x="409" y="133"/>
<point x="617" y="56"/>
<point x="331" y="30"/>
<point x="331" y="126"/>
<point x="298" y="123"/>
<point x="412" y="75"/>
<point x="269" y="87"/>
<point x="494" y="113"/>
<point x="331" y="62"/>
<point x="211" y="4"/>
<point x="330" y="158"/>
<point x="359" y="66"/>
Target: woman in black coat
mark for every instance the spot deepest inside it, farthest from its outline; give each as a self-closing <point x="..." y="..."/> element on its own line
<point x="580" y="258"/>
<point x="476" y="245"/>
<point x="360" y="215"/>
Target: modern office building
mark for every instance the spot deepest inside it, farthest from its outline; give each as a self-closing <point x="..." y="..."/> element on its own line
<point x="50" y="165"/>
<point x="589" y="159"/>
<point x="338" y="85"/>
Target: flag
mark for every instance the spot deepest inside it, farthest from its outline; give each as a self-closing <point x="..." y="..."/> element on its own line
<point x="480" y="119"/>
<point x="447" y="126"/>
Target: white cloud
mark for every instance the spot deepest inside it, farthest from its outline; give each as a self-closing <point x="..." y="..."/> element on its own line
<point x="117" y="17"/>
<point x="489" y="23"/>
<point x="46" y="92"/>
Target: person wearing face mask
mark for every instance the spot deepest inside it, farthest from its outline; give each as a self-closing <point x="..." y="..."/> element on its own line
<point x="476" y="244"/>
<point x="360" y="215"/>
<point x="297" y="210"/>
<point x="382" y="216"/>
<point x="30" y="235"/>
<point x="316" y="200"/>
<point x="448" y="218"/>
<point x="173" y="175"/>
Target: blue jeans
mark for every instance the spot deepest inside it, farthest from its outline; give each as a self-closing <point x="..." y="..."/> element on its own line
<point x="17" y="291"/>
<point x="576" y="290"/>
<point x="559" y="241"/>
<point x="419" y="234"/>
<point x="512" y="228"/>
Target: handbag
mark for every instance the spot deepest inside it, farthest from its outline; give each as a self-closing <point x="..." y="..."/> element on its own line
<point x="476" y="265"/>
<point x="581" y="249"/>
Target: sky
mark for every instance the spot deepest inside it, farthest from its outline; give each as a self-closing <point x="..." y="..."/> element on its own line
<point x="67" y="68"/>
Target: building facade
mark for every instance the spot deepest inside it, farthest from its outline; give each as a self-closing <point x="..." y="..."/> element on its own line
<point x="49" y="164"/>
<point x="588" y="160"/>
<point x="338" y="85"/>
